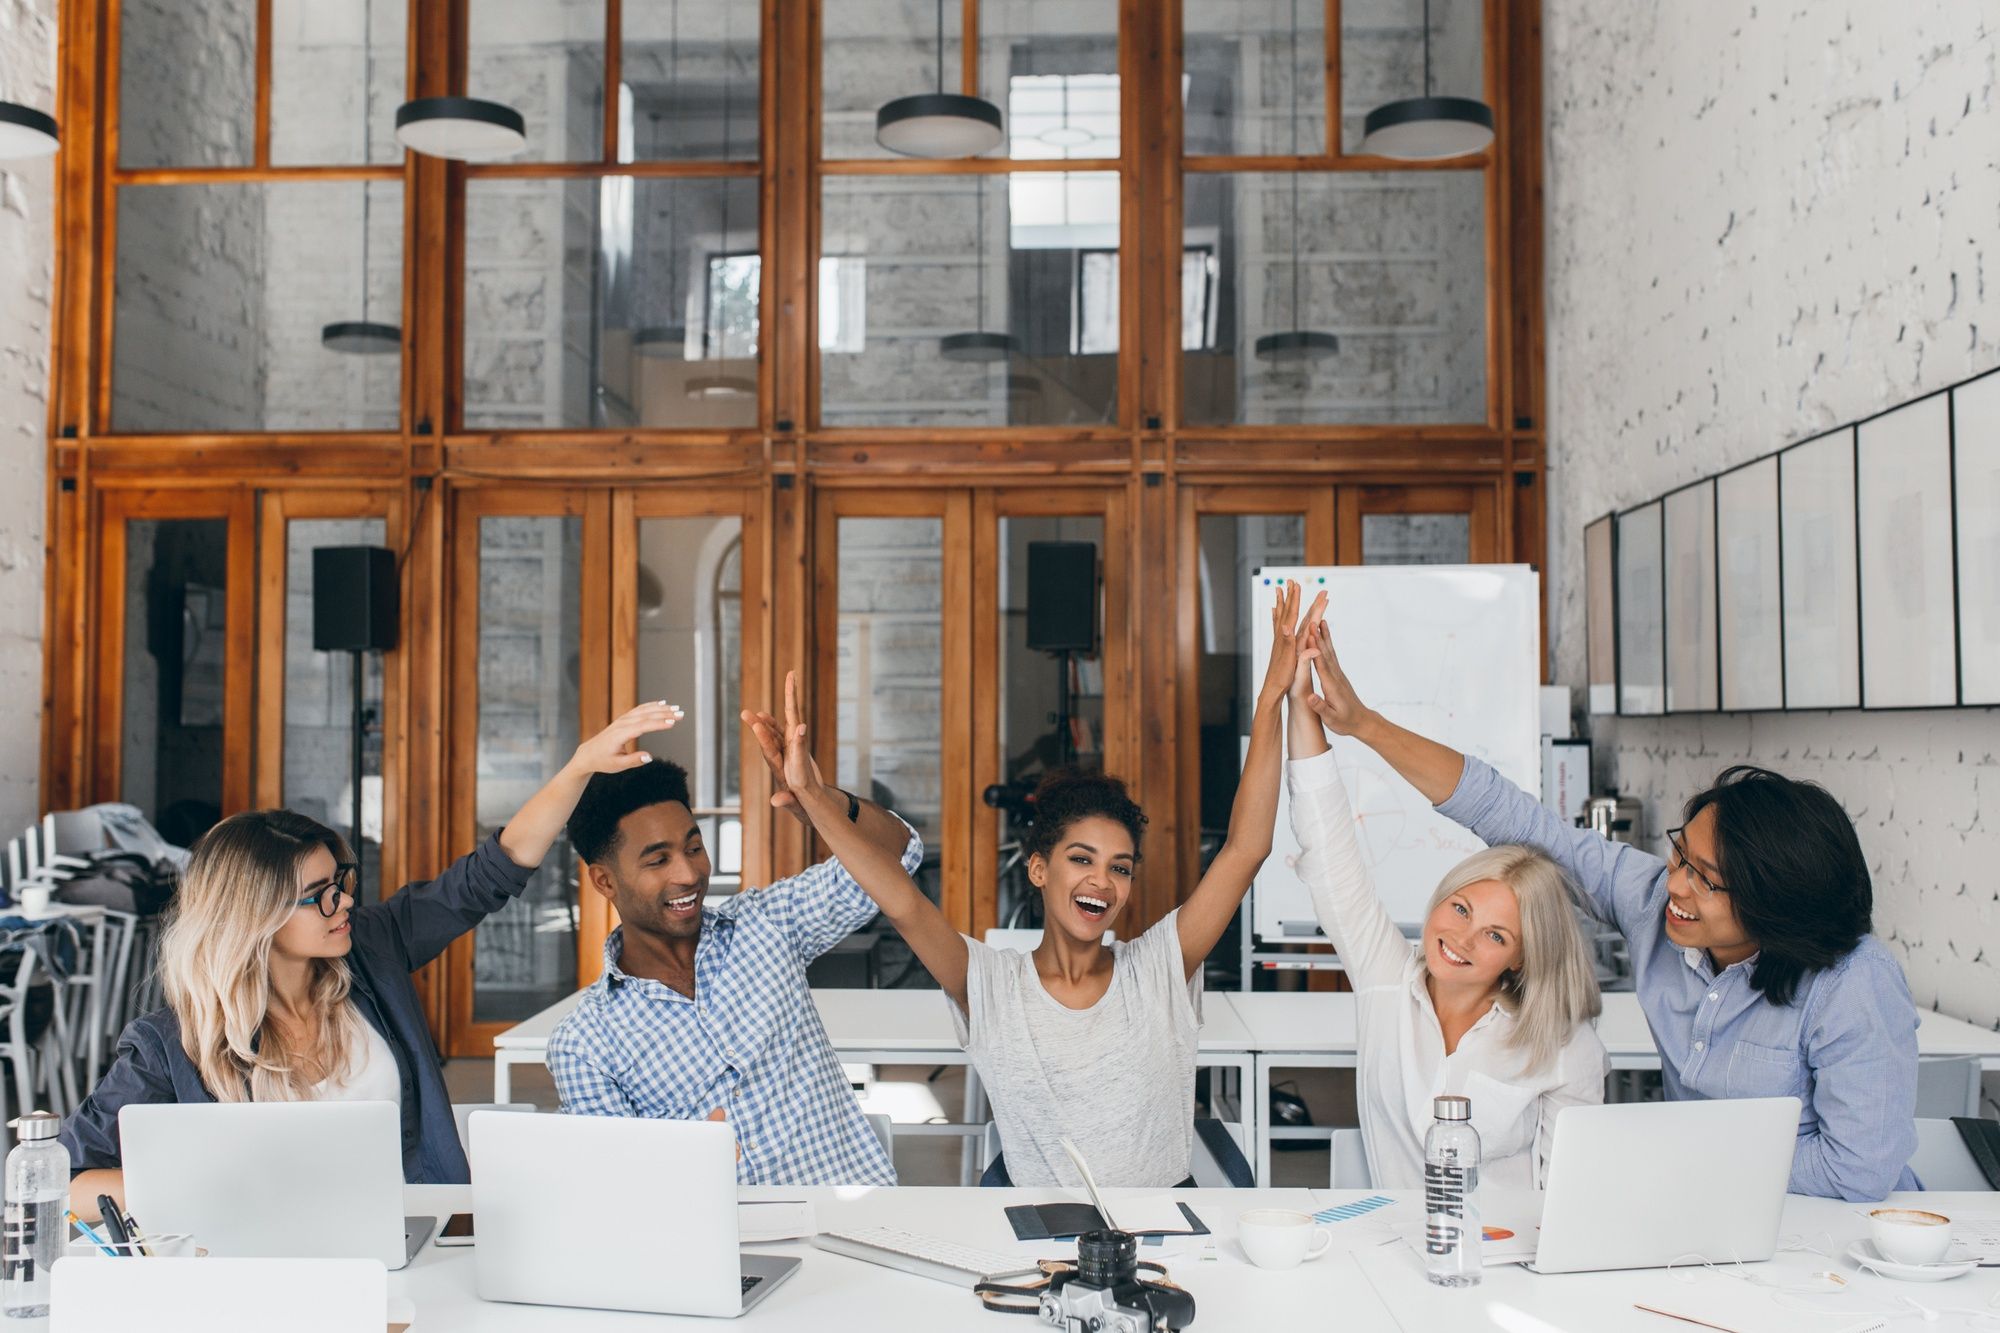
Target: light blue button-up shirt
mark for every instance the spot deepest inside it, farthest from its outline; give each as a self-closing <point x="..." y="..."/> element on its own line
<point x="749" y="1041"/>
<point x="1846" y="1046"/>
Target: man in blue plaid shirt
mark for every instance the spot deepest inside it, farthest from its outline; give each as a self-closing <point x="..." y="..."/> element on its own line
<point x="704" y="1012"/>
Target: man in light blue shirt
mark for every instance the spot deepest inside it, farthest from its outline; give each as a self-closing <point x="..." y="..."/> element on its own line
<point x="703" y="1012"/>
<point x="1751" y="947"/>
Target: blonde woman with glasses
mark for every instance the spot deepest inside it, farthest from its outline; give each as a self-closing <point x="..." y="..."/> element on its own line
<point x="1495" y="1005"/>
<point x="279" y="988"/>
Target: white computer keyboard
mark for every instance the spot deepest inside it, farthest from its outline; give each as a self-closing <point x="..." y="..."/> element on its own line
<point x="925" y="1256"/>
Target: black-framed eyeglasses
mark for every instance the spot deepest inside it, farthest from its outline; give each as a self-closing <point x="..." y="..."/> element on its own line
<point x="329" y="894"/>
<point x="1677" y="839"/>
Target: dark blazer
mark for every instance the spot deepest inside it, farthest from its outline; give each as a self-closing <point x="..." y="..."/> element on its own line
<point x="391" y="940"/>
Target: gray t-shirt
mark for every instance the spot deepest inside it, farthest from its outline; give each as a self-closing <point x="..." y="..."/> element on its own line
<point x="1116" y="1079"/>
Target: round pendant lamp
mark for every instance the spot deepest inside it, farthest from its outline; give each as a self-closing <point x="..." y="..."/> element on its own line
<point x="361" y="337"/>
<point x="364" y="336"/>
<point x="1295" y="344"/>
<point x="463" y="129"/>
<point x="26" y="132"/>
<point x="1427" y="128"/>
<point x="980" y="345"/>
<point x="938" y="124"/>
<point x="721" y="386"/>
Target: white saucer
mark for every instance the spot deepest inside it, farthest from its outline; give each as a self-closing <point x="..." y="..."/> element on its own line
<point x="1864" y="1253"/>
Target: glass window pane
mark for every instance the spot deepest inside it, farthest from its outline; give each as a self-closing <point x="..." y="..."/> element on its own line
<point x="337" y="77"/>
<point x="1037" y="732"/>
<point x="187" y="83"/>
<point x="1416" y="539"/>
<point x="544" y="58"/>
<point x="1391" y="264"/>
<point x="1052" y="70"/>
<point x="691" y="80"/>
<point x="1382" y="56"/>
<point x="601" y="304"/>
<point x="690" y="637"/>
<point x="1021" y="261"/>
<point x="319" y="704"/>
<point x="1253" y="78"/>
<point x="176" y="585"/>
<point x="224" y="297"/>
<point x="530" y="638"/>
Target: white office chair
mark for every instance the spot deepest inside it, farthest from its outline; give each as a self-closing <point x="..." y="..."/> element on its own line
<point x="1348" y="1168"/>
<point x="462" y="1111"/>
<point x="1942" y="1161"/>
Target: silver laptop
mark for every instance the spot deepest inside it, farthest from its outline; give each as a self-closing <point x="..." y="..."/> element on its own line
<point x="608" y="1213"/>
<point x="273" y="1180"/>
<point x="1643" y="1184"/>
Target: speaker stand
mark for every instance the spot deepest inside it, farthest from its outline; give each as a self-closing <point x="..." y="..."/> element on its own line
<point x="1065" y="732"/>
<point x="360" y="720"/>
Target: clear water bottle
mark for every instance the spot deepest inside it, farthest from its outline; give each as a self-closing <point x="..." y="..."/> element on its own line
<point x="37" y="1198"/>
<point x="1451" y="1195"/>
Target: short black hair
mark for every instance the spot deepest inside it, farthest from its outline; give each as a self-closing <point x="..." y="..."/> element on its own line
<point x="1794" y="872"/>
<point x="1066" y="796"/>
<point x="609" y="797"/>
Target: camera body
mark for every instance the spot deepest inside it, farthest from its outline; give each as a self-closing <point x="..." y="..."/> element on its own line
<point x="1106" y="1294"/>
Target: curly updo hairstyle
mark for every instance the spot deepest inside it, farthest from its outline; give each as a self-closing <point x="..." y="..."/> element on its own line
<point x="1067" y="796"/>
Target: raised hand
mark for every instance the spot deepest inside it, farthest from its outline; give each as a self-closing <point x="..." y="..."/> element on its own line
<point x="1288" y="642"/>
<point x="765" y="730"/>
<point x="800" y="772"/>
<point x="615" y="749"/>
<point x="1336" y="705"/>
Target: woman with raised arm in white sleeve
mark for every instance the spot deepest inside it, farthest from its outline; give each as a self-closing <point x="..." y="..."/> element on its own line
<point x="1496" y="1006"/>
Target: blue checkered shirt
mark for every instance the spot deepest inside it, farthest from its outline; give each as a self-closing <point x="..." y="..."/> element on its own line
<point x="749" y="1042"/>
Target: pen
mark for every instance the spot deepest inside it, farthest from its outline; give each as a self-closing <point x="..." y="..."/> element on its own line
<point x="136" y="1236"/>
<point x="114" y="1225"/>
<point x="90" y="1234"/>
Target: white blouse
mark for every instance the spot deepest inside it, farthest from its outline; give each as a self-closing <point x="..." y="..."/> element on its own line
<point x="371" y="1071"/>
<point x="1402" y="1063"/>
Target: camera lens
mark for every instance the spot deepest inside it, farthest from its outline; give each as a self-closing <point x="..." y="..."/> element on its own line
<point x="1106" y="1258"/>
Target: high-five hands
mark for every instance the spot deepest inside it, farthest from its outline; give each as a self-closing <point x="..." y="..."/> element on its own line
<point x="616" y="748"/>
<point x="1336" y="705"/>
<point x="801" y="771"/>
<point x="771" y="743"/>
<point x="1291" y="641"/>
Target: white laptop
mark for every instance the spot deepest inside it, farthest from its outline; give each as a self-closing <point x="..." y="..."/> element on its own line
<point x="1644" y="1184"/>
<point x="89" y="1295"/>
<point x="609" y="1213"/>
<point x="273" y="1180"/>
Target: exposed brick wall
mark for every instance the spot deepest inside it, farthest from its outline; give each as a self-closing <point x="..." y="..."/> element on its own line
<point x="27" y="249"/>
<point x="1757" y="229"/>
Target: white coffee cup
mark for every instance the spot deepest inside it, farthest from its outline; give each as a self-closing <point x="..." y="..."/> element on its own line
<point x="33" y="899"/>
<point x="1910" y="1235"/>
<point x="1280" y="1238"/>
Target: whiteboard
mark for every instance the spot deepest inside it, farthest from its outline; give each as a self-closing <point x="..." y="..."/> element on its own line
<point x="1453" y="653"/>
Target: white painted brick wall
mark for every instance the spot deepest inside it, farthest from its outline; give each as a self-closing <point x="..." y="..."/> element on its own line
<point x="27" y="249"/>
<point x="1762" y="222"/>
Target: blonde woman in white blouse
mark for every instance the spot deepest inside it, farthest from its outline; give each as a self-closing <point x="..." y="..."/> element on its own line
<point x="1497" y="1005"/>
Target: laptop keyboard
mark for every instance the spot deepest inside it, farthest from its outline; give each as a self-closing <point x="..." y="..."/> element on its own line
<point x="750" y="1282"/>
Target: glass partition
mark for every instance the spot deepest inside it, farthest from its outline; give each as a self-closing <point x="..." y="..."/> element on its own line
<point x="176" y="650"/>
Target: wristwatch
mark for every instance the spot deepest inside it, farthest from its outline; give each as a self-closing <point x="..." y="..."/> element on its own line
<point x="853" y="808"/>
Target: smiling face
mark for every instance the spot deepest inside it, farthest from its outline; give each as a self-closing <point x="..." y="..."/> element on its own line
<point x="1086" y="879"/>
<point x="656" y="873"/>
<point x="1473" y="936"/>
<point x="1696" y="918"/>
<point x="307" y="934"/>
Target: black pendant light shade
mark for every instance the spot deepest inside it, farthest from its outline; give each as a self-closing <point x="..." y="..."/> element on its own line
<point x="464" y="129"/>
<point x="1425" y="129"/>
<point x="361" y="337"/>
<point x="1297" y="345"/>
<point x="982" y="347"/>
<point x="661" y="340"/>
<point x="938" y="125"/>
<point x="25" y="132"/>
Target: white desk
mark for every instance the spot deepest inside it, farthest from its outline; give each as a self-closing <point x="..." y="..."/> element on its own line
<point x="911" y="1027"/>
<point x="831" y="1291"/>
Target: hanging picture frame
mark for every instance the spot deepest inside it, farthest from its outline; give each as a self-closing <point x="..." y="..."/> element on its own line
<point x="1642" y="667"/>
<point x="1975" y="437"/>
<point x="1750" y="629"/>
<point x="1903" y="506"/>
<point x="1600" y="614"/>
<point x="1816" y="552"/>
<point x="1688" y="598"/>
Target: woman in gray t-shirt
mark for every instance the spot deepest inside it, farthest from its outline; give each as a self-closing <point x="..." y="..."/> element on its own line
<point x="1080" y="1039"/>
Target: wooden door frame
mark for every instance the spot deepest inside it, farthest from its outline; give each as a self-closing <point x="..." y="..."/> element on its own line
<point x="115" y="507"/>
<point x="1480" y="499"/>
<point x="276" y="510"/>
<point x="460" y="1034"/>
<point x="961" y="687"/>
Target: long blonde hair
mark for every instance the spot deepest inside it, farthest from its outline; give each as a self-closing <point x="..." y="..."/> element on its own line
<point x="1555" y="987"/>
<point x="240" y="887"/>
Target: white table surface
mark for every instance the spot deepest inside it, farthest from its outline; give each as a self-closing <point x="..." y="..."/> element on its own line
<point x="833" y="1292"/>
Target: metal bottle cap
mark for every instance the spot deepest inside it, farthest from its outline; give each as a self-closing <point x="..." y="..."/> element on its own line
<point x="36" y="1125"/>
<point x="1452" y="1108"/>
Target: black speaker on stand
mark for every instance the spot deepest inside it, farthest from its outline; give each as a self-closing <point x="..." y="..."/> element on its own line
<point x="354" y="611"/>
<point x="1062" y="619"/>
